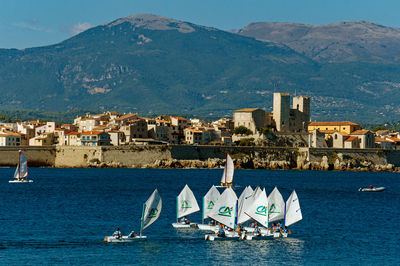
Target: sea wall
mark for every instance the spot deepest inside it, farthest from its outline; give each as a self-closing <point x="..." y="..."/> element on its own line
<point x="180" y="156"/>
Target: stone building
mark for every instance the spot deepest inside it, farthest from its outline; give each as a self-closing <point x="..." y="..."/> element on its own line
<point x="252" y="118"/>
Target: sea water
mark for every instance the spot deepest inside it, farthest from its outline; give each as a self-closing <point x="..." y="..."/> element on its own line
<point x="64" y="215"/>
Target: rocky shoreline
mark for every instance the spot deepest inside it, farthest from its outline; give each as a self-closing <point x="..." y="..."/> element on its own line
<point x="255" y="163"/>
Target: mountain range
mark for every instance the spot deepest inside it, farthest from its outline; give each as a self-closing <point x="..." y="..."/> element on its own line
<point x="152" y="65"/>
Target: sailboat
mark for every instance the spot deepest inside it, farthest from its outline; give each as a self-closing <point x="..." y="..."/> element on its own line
<point x="292" y="211"/>
<point x="227" y="176"/>
<point x="258" y="210"/>
<point x="209" y="201"/>
<point x="256" y="194"/>
<point x="186" y="204"/>
<point x="224" y="212"/>
<point x="276" y="208"/>
<point x="151" y="212"/>
<point x="243" y="203"/>
<point x="21" y="172"/>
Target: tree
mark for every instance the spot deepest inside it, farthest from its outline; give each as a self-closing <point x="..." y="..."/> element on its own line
<point x="246" y="142"/>
<point x="379" y="128"/>
<point x="242" y="130"/>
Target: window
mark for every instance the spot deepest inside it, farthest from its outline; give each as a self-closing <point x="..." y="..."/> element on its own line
<point x="335" y="136"/>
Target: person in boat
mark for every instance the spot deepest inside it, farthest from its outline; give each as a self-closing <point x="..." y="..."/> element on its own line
<point x="185" y="220"/>
<point x="212" y="221"/>
<point x="371" y="187"/>
<point x="117" y="233"/>
<point x="286" y="230"/>
<point x="257" y="231"/>
<point x="221" y="231"/>
<point x="253" y="224"/>
<point x="279" y="225"/>
<point x="132" y="234"/>
<point x="239" y="229"/>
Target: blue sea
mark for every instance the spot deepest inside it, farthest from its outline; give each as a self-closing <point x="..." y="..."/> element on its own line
<point x="64" y="215"/>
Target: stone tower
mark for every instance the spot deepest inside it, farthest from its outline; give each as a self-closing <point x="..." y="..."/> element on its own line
<point x="302" y="103"/>
<point x="281" y="111"/>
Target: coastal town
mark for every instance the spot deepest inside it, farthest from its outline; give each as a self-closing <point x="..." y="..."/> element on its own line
<point x="249" y="127"/>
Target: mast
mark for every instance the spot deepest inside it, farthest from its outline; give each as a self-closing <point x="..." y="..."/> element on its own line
<point x="284" y="217"/>
<point x="19" y="164"/>
<point x="141" y="220"/>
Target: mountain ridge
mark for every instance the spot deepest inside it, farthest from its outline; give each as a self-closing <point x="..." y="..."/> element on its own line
<point x="152" y="64"/>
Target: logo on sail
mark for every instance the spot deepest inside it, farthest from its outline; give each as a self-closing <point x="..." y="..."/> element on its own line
<point x="185" y="205"/>
<point x="261" y="210"/>
<point x="153" y="212"/>
<point x="210" y="205"/>
<point x="273" y="209"/>
<point x="225" y="211"/>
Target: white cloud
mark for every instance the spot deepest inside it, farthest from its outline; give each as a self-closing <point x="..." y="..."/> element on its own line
<point x="77" y="28"/>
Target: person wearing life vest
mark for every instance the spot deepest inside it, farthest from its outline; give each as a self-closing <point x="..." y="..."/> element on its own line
<point x="185" y="220"/>
<point x="221" y="231"/>
<point x="257" y="231"/>
<point x="132" y="234"/>
<point x="253" y="224"/>
<point x="371" y="187"/>
<point x="117" y="233"/>
<point x="286" y="230"/>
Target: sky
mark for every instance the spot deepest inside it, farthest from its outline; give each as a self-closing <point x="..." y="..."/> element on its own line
<point x="32" y="23"/>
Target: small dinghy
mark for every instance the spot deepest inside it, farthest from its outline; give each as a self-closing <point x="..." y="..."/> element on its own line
<point x="151" y="212"/>
<point x="374" y="189"/>
<point x="186" y="204"/>
<point x="209" y="201"/>
<point x="21" y="172"/>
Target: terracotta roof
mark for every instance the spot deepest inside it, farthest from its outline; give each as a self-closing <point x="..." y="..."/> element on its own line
<point x="73" y="133"/>
<point x="194" y="130"/>
<point x="325" y="131"/>
<point x="179" y="118"/>
<point x="114" y="131"/>
<point x="247" y="110"/>
<point x="378" y="139"/>
<point x="9" y="134"/>
<point x="342" y="133"/>
<point x="360" y="132"/>
<point x="91" y="132"/>
<point x="394" y="139"/>
<point x="340" y="123"/>
<point x="351" y="138"/>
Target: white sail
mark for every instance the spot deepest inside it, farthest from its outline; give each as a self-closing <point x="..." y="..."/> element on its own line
<point x="209" y="201"/>
<point x="276" y="205"/>
<point x="258" y="210"/>
<point x="225" y="209"/>
<point x="186" y="203"/>
<point x="16" y="173"/>
<point x="227" y="176"/>
<point x="243" y="203"/>
<point x="151" y="210"/>
<point x="293" y="210"/>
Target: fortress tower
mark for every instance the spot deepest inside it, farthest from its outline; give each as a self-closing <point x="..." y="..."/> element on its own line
<point x="281" y="111"/>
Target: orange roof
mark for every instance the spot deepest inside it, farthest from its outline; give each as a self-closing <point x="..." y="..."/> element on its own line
<point x="351" y="138"/>
<point x="378" y="139"/>
<point x="247" y="110"/>
<point x="394" y="139"/>
<point x="91" y="132"/>
<point x="194" y="130"/>
<point x="179" y="118"/>
<point x="360" y="132"/>
<point x="114" y="131"/>
<point x="342" y="133"/>
<point x="340" y="123"/>
<point x="73" y="133"/>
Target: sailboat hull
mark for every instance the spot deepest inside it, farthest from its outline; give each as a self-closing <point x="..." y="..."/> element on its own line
<point x="20" y="181"/>
<point x="208" y="227"/>
<point x="124" y="239"/>
<point x="184" y="226"/>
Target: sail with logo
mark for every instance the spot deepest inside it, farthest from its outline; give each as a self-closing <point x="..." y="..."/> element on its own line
<point x="227" y="176"/>
<point x="293" y="210"/>
<point x="224" y="210"/>
<point x="186" y="204"/>
<point x="151" y="212"/>
<point x="258" y="210"/>
<point x="276" y="206"/>
<point x="209" y="201"/>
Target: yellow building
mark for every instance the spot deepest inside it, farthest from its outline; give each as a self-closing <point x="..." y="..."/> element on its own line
<point x="330" y="127"/>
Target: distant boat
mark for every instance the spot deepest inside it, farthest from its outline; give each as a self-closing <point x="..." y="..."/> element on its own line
<point x="227" y="176"/>
<point x="374" y="189"/>
<point x="151" y="212"/>
<point x="21" y="172"/>
<point x="292" y="211"/>
<point x="186" y="204"/>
